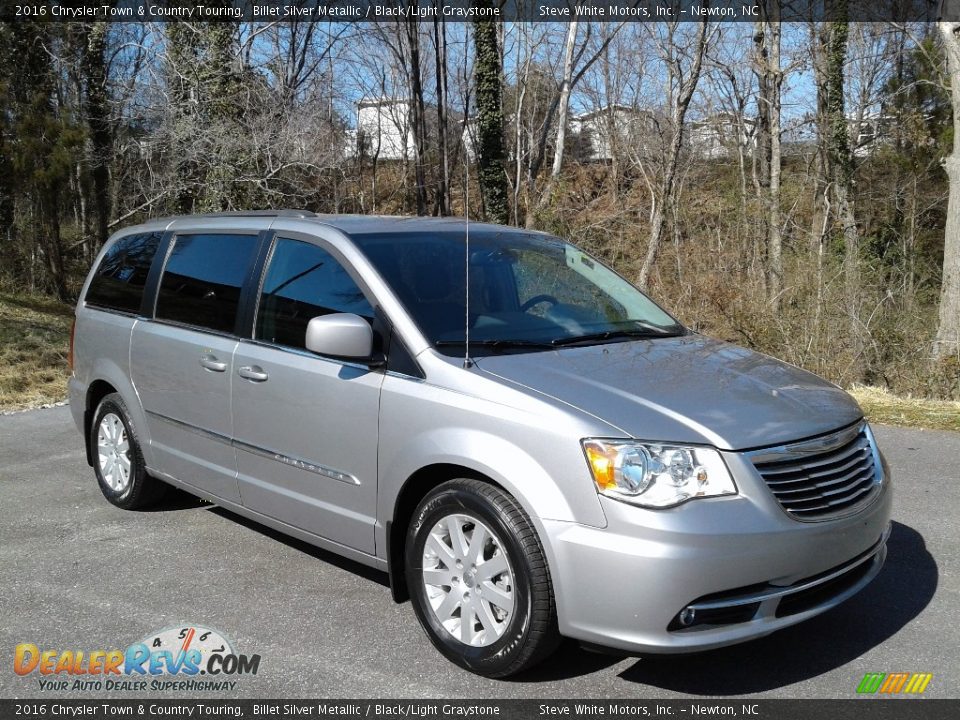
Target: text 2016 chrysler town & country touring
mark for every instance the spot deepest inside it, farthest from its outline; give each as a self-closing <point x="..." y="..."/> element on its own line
<point x="549" y="454"/>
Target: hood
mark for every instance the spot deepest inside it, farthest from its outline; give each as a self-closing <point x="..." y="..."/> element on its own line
<point x="685" y="389"/>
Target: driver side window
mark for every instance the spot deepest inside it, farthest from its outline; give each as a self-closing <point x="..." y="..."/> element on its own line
<point x="302" y="282"/>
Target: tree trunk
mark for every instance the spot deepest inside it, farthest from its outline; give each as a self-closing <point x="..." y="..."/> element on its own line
<point x="842" y="176"/>
<point x="50" y="242"/>
<point x="442" y="201"/>
<point x="762" y="159"/>
<point x="518" y="148"/>
<point x="184" y="57"/>
<point x="947" y="343"/>
<point x="417" y="107"/>
<point x="490" y="154"/>
<point x="770" y="80"/>
<point x="563" y="111"/>
<point x="98" y="123"/>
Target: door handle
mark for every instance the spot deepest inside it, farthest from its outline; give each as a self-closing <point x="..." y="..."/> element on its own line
<point x="253" y="373"/>
<point x="211" y="363"/>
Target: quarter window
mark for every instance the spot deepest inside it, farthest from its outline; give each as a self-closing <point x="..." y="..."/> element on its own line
<point x="302" y="282"/>
<point x="119" y="281"/>
<point x="202" y="280"/>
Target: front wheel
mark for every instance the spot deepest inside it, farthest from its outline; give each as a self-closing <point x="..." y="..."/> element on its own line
<point x="479" y="581"/>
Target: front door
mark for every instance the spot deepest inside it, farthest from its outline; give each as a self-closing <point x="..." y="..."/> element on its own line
<point x="305" y="426"/>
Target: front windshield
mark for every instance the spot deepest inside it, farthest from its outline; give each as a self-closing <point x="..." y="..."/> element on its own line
<point x="527" y="291"/>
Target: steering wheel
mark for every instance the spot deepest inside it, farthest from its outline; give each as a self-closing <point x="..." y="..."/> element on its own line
<point x="537" y="299"/>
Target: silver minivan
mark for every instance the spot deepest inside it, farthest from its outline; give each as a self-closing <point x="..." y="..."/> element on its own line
<point x="526" y="443"/>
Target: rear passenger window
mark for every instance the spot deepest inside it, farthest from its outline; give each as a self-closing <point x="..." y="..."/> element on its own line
<point x="202" y="280"/>
<point x="120" y="278"/>
<point x="302" y="282"/>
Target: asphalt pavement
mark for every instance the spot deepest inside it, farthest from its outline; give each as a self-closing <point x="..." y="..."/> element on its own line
<point x="77" y="573"/>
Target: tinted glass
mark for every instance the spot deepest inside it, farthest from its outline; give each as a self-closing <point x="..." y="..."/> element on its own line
<point x="524" y="288"/>
<point x="119" y="281"/>
<point x="302" y="282"/>
<point x="202" y="280"/>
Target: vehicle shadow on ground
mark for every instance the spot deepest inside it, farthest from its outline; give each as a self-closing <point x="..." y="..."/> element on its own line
<point x="175" y="499"/>
<point x="899" y="593"/>
<point x="368" y="573"/>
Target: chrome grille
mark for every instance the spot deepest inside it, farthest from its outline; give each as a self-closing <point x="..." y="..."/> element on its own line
<point x="822" y="478"/>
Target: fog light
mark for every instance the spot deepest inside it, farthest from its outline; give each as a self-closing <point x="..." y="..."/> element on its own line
<point x="687" y="616"/>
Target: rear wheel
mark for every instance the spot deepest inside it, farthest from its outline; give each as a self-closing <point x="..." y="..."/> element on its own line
<point x="117" y="460"/>
<point x="479" y="580"/>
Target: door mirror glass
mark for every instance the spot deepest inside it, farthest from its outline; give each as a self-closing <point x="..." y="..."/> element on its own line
<point x="343" y="335"/>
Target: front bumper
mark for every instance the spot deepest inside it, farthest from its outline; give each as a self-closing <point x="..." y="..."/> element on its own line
<point x="743" y="566"/>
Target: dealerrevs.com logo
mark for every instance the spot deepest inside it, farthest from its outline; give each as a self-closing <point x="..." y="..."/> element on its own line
<point x="894" y="683"/>
<point x="188" y="658"/>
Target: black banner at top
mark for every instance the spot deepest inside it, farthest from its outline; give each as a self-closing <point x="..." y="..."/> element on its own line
<point x="471" y="10"/>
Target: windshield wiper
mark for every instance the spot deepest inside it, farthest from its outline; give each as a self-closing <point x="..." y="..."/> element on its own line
<point x="498" y="344"/>
<point x="615" y="335"/>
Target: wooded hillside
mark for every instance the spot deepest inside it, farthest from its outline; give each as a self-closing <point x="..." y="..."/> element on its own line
<point x="779" y="185"/>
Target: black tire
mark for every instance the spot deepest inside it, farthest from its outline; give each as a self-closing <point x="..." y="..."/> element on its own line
<point x="530" y="633"/>
<point x="141" y="490"/>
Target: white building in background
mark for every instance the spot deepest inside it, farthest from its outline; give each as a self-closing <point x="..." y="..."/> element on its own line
<point x="468" y="138"/>
<point x="385" y="129"/>
<point x="720" y="135"/>
<point x="600" y="132"/>
<point x="870" y="131"/>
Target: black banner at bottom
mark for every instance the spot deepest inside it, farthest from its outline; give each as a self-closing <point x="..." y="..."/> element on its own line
<point x="855" y="709"/>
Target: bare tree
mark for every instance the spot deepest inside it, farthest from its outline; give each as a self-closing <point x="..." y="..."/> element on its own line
<point x="575" y="67"/>
<point x="442" y="199"/>
<point x="947" y="342"/>
<point x="564" y="107"/>
<point x="682" y="84"/>
<point x="769" y="81"/>
<point x="841" y="172"/>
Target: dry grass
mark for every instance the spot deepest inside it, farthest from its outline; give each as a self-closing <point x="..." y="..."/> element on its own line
<point x="883" y="407"/>
<point x="34" y="338"/>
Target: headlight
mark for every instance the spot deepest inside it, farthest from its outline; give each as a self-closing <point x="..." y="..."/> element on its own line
<point x="656" y="475"/>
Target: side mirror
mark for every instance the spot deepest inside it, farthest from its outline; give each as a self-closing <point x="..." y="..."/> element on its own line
<point x="342" y="335"/>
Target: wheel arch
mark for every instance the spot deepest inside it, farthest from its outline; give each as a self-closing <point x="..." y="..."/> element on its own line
<point x="110" y="377"/>
<point x="414" y="489"/>
<point x="96" y="392"/>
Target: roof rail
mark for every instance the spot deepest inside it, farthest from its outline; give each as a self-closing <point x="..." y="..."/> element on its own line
<point x="247" y="213"/>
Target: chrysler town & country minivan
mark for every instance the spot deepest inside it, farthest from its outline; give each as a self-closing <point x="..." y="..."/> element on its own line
<point x="527" y="444"/>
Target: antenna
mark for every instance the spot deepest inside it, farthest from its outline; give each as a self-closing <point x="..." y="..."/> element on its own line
<point x="467" y="362"/>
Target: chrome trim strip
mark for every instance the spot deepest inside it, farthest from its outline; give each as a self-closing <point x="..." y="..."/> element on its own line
<point x="858" y="458"/>
<point x="191" y="428"/>
<point x="799" y="450"/>
<point x="870" y="556"/>
<point x="296" y="462"/>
